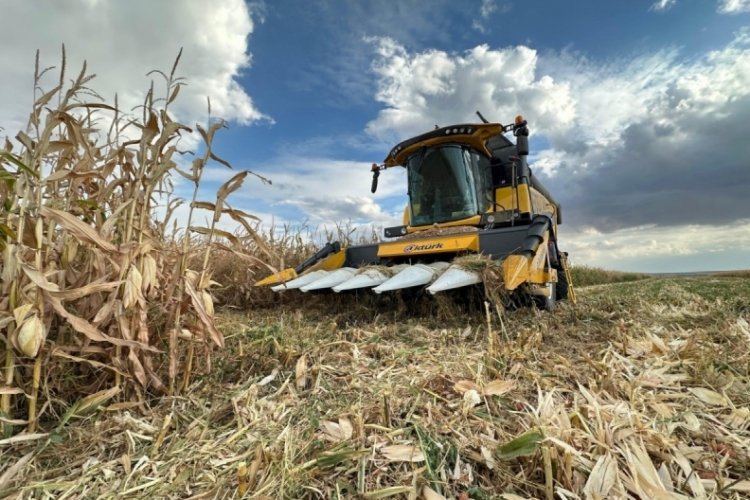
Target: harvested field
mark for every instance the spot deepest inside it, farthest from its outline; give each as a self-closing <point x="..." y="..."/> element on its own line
<point x="642" y="390"/>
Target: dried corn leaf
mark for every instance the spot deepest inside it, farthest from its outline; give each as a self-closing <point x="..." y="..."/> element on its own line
<point x="39" y="279"/>
<point x="13" y="470"/>
<point x="20" y="312"/>
<point x="708" y="396"/>
<point x="132" y="293"/>
<point x="300" y="373"/>
<point x="89" y="404"/>
<point x="79" y="229"/>
<point x="80" y="292"/>
<point x="4" y="389"/>
<point x="430" y="494"/>
<point x="82" y="326"/>
<point x="466" y="385"/>
<point x="498" y="387"/>
<point x="602" y="478"/>
<point x="230" y="186"/>
<point x="738" y="419"/>
<point x="402" y="453"/>
<point x="149" y="272"/>
<point x="216" y="232"/>
<point x="645" y="480"/>
<point x="337" y="432"/>
<point x="203" y="315"/>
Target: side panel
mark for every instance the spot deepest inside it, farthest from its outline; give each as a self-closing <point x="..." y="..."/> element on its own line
<point x="506" y="198"/>
<point x="502" y="241"/>
<point x="361" y="255"/>
<point x="542" y="204"/>
<point x="430" y="245"/>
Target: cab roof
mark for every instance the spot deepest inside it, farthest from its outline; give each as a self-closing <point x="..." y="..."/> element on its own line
<point x="476" y="135"/>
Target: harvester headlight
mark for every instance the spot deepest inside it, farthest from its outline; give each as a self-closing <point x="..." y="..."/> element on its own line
<point x="403" y="230"/>
<point x="490" y="218"/>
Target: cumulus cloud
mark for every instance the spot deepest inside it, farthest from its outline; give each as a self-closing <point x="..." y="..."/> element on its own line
<point x="679" y="155"/>
<point x="121" y="42"/>
<point x="322" y="190"/>
<point x="423" y="89"/>
<point x="734" y="6"/>
<point x="652" y="248"/>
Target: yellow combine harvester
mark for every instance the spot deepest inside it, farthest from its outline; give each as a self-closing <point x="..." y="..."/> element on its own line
<point x="470" y="192"/>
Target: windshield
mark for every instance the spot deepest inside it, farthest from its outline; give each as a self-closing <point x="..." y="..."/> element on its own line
<point x="443" y="184"/>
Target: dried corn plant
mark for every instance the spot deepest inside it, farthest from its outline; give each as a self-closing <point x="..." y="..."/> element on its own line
<point x="96" y="298"/>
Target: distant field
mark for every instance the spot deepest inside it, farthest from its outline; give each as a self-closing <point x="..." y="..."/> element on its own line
<point x="642" y="389"/>
<point x="587" y="276"/>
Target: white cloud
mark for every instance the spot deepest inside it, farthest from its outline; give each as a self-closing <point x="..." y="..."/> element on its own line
<point x="322" y="190"/>
<point x="487" y="8"/>
<point x="658" y="249"/>
<point x="121" y="42"/>
<point x="433" y="87"/>
<point x="662" y="5"/>
<point x="734" y="6"/>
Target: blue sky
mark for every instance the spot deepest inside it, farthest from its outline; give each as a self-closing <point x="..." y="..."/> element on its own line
<point x="638" y="110"/>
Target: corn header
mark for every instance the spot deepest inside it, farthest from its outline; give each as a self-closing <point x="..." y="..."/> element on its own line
<point x="470" y="191"/>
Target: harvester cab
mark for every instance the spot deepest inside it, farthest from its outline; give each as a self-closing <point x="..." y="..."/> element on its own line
<point x="471" y="193"/>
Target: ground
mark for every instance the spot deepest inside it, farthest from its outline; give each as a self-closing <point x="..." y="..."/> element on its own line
<point x="640" y="390"/>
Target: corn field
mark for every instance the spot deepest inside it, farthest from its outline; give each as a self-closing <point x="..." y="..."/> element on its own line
<point x="107" y="312"/>
<point x="101" y="300"/>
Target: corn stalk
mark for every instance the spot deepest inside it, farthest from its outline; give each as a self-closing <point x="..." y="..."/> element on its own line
<point x="86" y="269"/>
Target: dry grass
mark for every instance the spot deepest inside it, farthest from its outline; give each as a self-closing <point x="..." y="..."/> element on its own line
<point x="640" y="391"/>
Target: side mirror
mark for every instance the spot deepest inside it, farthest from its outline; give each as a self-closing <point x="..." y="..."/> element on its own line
<point x="375" y="175"/>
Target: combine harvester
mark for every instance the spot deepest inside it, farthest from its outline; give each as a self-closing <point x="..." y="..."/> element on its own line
<point x="470" y="192"/>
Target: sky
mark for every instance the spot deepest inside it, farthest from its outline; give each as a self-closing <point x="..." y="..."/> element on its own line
<point x="638" y="110"/>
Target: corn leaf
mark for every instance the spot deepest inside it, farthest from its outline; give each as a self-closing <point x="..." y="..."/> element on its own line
<point x="522" y="446"/>
<point x="18" y="163"/>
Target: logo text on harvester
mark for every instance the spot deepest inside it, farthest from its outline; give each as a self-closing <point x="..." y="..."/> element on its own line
<point x="420" y="248"/>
